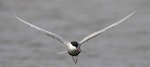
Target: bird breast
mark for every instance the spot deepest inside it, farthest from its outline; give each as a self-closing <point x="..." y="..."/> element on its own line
<point x="73" y="52"/>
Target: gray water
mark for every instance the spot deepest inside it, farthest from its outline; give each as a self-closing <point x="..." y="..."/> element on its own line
<point x="127" y="45"/>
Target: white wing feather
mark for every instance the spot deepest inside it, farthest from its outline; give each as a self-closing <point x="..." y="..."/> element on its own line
<point x="103" y="30"/>
<point x="53" y="35"/>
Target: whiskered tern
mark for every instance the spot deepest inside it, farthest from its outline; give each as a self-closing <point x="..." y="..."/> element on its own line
<point x="74" y="46"/>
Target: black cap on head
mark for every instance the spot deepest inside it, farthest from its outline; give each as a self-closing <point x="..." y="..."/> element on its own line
<point x="74" y="43"/>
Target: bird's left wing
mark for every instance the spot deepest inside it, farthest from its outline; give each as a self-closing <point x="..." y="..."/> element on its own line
<point x="106" y="28"/>
<point x="53" y="35"/>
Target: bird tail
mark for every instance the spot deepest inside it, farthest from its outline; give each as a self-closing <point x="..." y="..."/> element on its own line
<point x="75" y="59"/>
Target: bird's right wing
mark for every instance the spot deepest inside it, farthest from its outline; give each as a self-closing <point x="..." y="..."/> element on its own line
<point x="53" y="35"/>
<point x="87" y="38"/>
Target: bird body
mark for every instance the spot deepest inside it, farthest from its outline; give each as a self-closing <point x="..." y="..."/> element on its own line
<point x="73" y="48"/>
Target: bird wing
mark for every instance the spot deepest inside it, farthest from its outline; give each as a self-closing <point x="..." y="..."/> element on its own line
<point x="53" y="35"/>
<point x="87" y="38"/>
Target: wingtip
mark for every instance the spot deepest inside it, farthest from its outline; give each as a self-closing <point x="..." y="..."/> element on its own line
<point x="10" y="11"/>
<point x="135" y="10"/>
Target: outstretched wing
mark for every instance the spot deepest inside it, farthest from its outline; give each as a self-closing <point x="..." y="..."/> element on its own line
<point x="106" y="28"/>
<point x="53" y="35"/>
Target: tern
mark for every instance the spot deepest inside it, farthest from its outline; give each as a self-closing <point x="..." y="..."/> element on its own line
<point x="73" y="47"/>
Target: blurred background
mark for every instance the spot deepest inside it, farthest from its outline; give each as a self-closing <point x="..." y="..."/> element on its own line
<point x="126" y="45"/>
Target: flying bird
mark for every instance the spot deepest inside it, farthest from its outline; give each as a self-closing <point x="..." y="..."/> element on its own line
<point x="73" y="47"/>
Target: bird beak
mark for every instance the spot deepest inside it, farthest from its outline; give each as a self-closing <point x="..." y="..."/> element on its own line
<point x="75" y="59"/>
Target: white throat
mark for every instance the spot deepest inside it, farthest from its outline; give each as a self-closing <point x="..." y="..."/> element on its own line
<point x="71" y="47"/>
